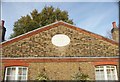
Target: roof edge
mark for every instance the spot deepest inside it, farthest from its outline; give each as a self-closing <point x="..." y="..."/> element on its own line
<point x="93" y="34"/>
<point x="30" y="32"/>
<point x="56" y="24"/>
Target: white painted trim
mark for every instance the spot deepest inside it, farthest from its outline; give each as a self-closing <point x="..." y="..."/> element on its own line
<point x="116" y="73"/>
<point x="6" y="72"/>
<point x="27" y="74"/>
<point x="105" y="72"/>
<point x="16" y="73"/>
<point x="53" y="57"/>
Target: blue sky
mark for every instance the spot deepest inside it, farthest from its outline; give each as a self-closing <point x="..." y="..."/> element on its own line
<point x="96" y="17"/>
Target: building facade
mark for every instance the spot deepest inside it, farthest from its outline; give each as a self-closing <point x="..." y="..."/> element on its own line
<point x="60" y="51"/>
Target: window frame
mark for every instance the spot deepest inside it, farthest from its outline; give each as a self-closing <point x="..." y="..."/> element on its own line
<point x="105" y="71"/>
<point x="16" y="72"/>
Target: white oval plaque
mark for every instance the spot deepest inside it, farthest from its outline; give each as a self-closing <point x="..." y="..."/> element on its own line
<point x="60" y="40"/>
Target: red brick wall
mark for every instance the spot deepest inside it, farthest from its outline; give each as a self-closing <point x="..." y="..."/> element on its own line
<point x="63" y="66"/>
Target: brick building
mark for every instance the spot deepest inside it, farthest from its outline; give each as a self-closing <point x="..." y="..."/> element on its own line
<point x="60" y="51"/>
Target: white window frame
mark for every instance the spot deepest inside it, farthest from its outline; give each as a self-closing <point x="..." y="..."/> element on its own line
<point x="16" y="71"/>
<point x="105" y="71"/>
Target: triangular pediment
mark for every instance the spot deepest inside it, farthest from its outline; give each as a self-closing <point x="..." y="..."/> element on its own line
<point x="38" y="43"/>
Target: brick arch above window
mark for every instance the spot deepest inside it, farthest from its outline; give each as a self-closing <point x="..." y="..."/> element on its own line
<point x="11" y="62"/>
<point x="16" y="64"/>
<point x="105" y="63"/>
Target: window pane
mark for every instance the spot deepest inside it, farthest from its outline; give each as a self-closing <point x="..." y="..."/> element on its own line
<point x="10" y="77"/>
<point x="111" y="73"/>
<point x="20" y="71"/>
<point x="7" y="77"/>
<point x="13" y="71"/>
<point x="24" y="78"/>
<point x="8" y="71"/>
<point x="20" y="78"/>
<point x="109" y="77"/>
<point x="24" y="71"/>
<point x="99" y="74"/>
<point x="10" y="74"/>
